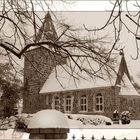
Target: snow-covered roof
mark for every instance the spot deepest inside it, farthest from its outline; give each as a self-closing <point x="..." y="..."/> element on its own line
<point x="48" y="119"/>
<point x="70" y="77"/>
<point x="126" y="87"/>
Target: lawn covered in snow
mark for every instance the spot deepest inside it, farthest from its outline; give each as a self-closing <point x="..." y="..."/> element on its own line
<point x="88" y="133"/>
<point x="87" y="125"/>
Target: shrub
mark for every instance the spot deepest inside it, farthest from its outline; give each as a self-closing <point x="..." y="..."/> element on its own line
<point x="20" y="124"/>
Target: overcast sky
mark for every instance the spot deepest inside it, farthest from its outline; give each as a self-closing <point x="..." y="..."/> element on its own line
<point x="96" y="19"/>
<point x="94" y="15"/>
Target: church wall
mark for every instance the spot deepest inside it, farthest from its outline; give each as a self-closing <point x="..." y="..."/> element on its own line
<point x="131" y="104"/>
<point x="109" y="94"/>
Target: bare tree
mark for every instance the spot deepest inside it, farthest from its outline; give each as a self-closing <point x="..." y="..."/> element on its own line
<point x="123" y="17"/>
<point x="21" y="15"/>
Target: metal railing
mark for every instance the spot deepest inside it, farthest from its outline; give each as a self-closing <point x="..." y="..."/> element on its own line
<point x="103" y="138"/>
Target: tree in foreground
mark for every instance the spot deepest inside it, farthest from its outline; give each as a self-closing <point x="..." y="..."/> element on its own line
<point x="10" y="90"/>
<point x="24" y="25"/>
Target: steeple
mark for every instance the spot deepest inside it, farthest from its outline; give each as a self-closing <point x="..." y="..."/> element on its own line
<point x="123" y="69"/>
<point x="47" y="30"/>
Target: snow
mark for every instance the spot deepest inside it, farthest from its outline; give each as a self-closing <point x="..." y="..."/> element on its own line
<point x="74" y="124"/>
<point x="130" y="131"/>
<point x="69" y="77"/>
<point x="98" y="132"/>
<point x="126" y="87"/>
<point x="77" y="128"/>
<point x="116" y="111"/>
<point x="48" y="119"/>
<point x="90" y="119"/>
<point x="13" y="134"/>
<point x="88" y="133"/>
<point x="107" y="133"/>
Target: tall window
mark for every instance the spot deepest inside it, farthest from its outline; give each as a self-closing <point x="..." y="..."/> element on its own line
<point x="47" y="100"/>
<point x="99" y="102"/>
<point x="68" y="104"/>
<point x="83" y="103"/>
<point x="56" y="103"/>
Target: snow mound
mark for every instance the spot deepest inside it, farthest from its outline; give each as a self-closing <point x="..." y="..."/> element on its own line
<point x="10" y="123"/>
<point x="90" y="119"/>
<point x="49" y="119"/>
<point x="74" y="124"/>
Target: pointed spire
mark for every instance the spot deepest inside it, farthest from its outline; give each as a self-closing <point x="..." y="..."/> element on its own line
<point x="122" y="68"/>
<point x="47" y="30"/>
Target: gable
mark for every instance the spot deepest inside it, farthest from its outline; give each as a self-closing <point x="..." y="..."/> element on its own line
<point x="126" y="87"/>
<point x="122" y="69"/>
<point x="70" y="77"/>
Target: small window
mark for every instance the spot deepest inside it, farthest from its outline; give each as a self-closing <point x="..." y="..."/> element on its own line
<point x="68" y="104"/>
<point x="99" y="102"/>
<point x="47" y="100"/>
<point x="83" y="103"/>
<point x="56" y="103"/>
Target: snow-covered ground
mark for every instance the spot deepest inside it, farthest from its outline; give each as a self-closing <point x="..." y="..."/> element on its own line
<point x="88" y="133"/>
<point x="135" y="124"/>
<point x="87" y="125"/>
<point x="107" y="133"/>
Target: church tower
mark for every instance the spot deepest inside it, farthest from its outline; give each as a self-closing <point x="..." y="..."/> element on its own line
<point x="47" y="30"/>
<point x="38" y="65"/>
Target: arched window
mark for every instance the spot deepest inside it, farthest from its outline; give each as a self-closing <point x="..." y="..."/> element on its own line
<point x="68" y="104"/>
<point x="56" y="103"/>
<point x="83" y="103"/>
<point x="99" y="102"/>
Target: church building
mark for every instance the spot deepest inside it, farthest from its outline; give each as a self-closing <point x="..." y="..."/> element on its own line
<point x="50" y="83"/>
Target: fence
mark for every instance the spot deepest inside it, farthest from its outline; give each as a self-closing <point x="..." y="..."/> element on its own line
<point x="103" y="138"/>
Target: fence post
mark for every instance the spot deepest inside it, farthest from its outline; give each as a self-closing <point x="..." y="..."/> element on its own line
<point x="48" y="124"/>
<point x="92" y="138"/>
<point x="73" y="137"/>
<point x="103" y="138"/>
<point x="114" y="138"/>
<point x="83" y="137"/>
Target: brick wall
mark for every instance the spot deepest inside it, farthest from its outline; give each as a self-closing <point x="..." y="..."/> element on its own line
<point x="110" y="96"/>
<point x="131" y="104"/>
<point x="38" y="65"/>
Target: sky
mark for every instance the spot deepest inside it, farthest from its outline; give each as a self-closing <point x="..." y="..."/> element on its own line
<point x="97" y="19"/>
<point x="94" y="14"/>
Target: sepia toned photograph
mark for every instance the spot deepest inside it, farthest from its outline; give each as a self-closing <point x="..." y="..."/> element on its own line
<point x="70" y="69"/>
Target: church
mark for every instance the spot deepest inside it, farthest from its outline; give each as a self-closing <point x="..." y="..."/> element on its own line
<point x="52" y="81"/>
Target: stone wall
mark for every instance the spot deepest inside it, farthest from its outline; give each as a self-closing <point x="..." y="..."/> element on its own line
<point x="131" y="104"/>
<point x="38" y="65"/>
<point x="110" y="96"/>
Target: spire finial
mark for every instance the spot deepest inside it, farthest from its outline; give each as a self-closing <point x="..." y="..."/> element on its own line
<point x="121" y="52"/>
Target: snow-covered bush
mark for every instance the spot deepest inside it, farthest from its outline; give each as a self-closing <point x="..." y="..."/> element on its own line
<point x="19" y="121"/>
<point x="20" y="124"/>
<point x="125" y="117"/>
<point x="90" y="119"/>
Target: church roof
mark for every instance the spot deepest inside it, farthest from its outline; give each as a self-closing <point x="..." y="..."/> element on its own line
<point x="126" y="87"/>
<point x="47" y="30"/>
<point x="69" y="77"/>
